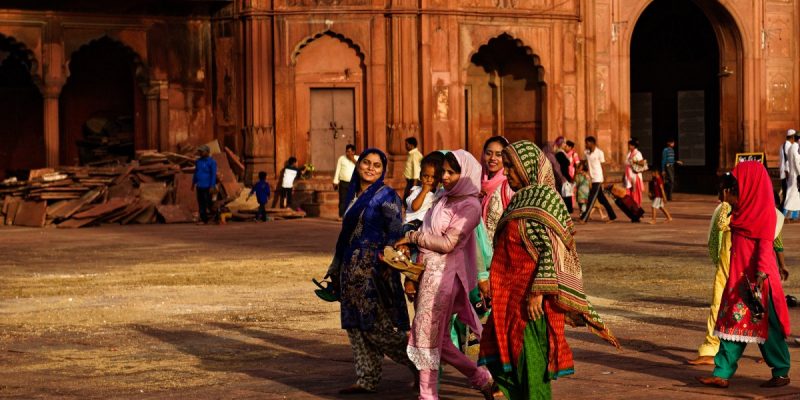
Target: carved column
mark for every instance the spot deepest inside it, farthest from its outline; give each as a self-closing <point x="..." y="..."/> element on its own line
<point x="157" y="119"/>
<point x="258" y="127"/>
<point x="54" y="75"/>
<point x="50" y="94"/>
<point x="404" y="119"/>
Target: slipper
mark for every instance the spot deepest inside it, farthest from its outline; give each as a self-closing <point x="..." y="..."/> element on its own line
<point x="325" y="292"/>
<point x="776" y="381"/>
<point x="400" y="262"/>
<point x="356" y="389"/>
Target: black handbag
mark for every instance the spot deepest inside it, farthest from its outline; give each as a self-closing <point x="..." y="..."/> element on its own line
<point x="751" y="296"/>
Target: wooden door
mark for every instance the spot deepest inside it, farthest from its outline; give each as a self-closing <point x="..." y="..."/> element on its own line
<point x="332" y="126"/>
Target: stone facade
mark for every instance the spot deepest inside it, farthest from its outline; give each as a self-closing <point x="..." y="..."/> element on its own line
<point x="449" y="72"/>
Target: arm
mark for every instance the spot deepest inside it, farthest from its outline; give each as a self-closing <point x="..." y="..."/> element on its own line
<point x="420" y="199"/>
<point x="664" y="160"/>
<point x="336" y="174"/>
<point x="461" y="225"/>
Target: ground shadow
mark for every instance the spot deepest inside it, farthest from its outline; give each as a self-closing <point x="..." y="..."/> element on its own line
<point x="302" y="364"/>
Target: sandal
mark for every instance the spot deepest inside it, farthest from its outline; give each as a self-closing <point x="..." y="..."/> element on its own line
<point x="400" y="262"/>
<point x="325" y="292"/>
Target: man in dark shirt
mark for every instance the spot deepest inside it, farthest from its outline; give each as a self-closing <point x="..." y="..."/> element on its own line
<point x="668" y="167"/>
<point x="204" y="180"/>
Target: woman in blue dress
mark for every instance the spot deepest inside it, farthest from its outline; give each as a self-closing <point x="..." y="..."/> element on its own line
<point x="373" y="305"/>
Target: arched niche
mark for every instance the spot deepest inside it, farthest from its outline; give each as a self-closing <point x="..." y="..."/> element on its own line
<point x="505" y="93"/>
<point x="21" y="118"/>
<point x="102" y="107"/>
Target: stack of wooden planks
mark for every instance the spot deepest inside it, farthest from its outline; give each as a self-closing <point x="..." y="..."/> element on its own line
<point x="155" y="187"/>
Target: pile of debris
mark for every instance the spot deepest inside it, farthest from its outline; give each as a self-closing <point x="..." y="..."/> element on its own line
<point x="155" y="187"/>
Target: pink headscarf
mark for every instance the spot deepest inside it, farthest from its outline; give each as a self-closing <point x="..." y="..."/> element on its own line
<point x="489" y="186"/>
<point x="468" y="185"/>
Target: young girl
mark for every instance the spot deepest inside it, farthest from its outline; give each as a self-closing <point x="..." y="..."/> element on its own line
<point x="422" y="197"/>
<point x="657" y="194"/>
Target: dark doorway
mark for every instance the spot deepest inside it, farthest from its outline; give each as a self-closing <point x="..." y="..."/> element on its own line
<point x="675" y="90"/>
<point x="506" y="93"/>
<point x="332" y="125"/>
<point x="22" y="117"/>
<point x="101" y="107"/>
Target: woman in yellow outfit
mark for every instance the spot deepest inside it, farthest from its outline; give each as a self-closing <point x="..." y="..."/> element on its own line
<point x="719" y="248"/>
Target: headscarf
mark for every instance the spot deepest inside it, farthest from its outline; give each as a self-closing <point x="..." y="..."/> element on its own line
<point x="468" y="185"/>
<point x="354" y="209"/>
<point x="539" y="204"/>
<point x="753" y="216"/>
<point x="547" y="150"/>
<point x="490" y="185"/>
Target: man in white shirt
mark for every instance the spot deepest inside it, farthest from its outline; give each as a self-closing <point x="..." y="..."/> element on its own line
<point x="344" y="171"/>
<point x="411" y="172"/>
<point x="783" y="161"/>
<point x="596" y="160"/>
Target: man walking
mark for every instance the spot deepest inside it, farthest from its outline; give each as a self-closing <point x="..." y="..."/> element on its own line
<point x="668" y="167"/>
<point x="595" y="158"/>
<point x="204" y="180"/>
<point x="341" y="179"/>
<point x="783" y="162"/>
<point x="791" y="206"/>
<point x="411" y="172"/>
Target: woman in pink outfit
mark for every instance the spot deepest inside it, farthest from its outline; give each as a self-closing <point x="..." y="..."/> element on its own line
<point x="633" y="179"/>
<point x="448" y="250"/>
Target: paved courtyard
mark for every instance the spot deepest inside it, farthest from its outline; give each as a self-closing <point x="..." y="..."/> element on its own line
<point x="185" y="311"/>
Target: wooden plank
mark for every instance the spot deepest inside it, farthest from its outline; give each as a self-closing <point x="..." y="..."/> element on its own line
<point x="183" y="192"/>
<point x="10" y="208"/>
<point x="174" y="214"/>
<point x="103" y="209"/>
<point x="74" y="205"/>
<point x="76" y="223"/>
<point x="224" y="168"/>
<point x="153" y="192"/>
<point x="236" y="163"/>
<point x="31" y="213"/>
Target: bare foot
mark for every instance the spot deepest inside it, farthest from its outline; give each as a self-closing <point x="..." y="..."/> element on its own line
<point x="652" y="222"/>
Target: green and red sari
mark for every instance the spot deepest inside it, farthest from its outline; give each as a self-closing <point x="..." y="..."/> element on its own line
<point x="534" y="253"/>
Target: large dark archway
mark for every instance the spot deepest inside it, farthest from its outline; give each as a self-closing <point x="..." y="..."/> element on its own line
<point x="21" y="112"/>
<point x="681" y="52"/>
<point x="505" y="93"/>
<point x="102" y="110"/>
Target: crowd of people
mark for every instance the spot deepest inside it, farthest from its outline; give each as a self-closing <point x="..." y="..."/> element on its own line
<point x="497" y="268"/>
<point x="491" y="235"/>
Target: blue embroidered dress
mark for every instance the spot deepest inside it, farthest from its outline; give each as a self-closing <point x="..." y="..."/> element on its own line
<point x="372" y="221"/>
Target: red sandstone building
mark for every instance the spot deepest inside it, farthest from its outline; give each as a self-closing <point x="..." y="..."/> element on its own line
<point x="271" y="79"/>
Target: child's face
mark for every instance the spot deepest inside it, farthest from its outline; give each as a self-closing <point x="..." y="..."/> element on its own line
<point x="428" y="176"/>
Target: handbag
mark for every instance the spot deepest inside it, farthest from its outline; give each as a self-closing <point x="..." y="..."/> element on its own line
<point x="639" y="168"/>
<point x="567" y="189"/>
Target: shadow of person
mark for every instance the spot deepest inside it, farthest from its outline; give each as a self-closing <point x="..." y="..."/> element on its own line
<point x="297" y="365"/>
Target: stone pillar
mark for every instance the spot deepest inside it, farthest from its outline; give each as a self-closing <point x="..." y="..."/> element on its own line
<point x="50" y="94"/>
<point x="54" y="77"/>
<point x="157" y="115"/>
<point x="404" y="114"/>
<point x="258" y="83"/>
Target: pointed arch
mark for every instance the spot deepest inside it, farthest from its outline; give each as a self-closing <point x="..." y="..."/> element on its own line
<point x="304" y="43"/>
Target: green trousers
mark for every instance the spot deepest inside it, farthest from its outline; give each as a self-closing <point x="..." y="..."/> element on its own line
<point x="775" y="351"/>
<point x="529" y="380"/>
